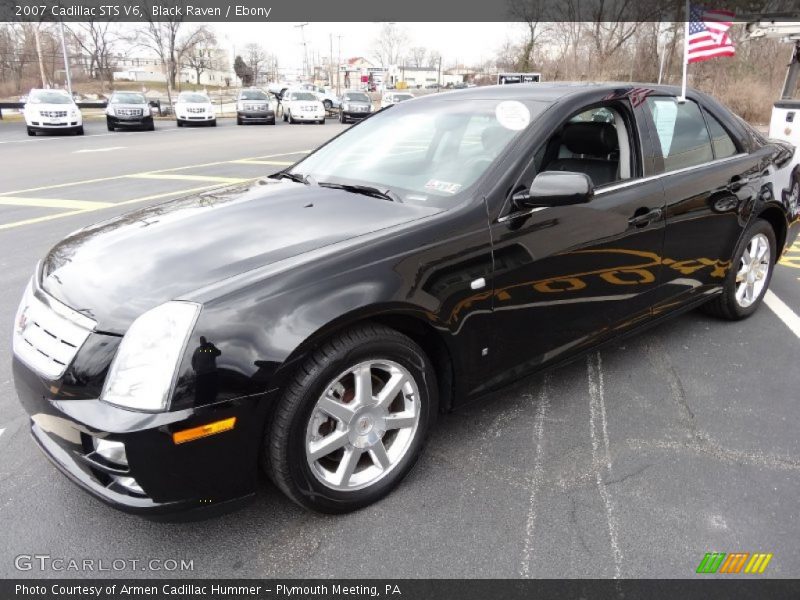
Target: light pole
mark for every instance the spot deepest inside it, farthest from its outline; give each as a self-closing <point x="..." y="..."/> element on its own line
<point x="302" y="27"/>
<point x="66" y="60"/>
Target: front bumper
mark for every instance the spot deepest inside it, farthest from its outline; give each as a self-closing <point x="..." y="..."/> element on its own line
<point x="196" y="118"/>
<point x="203" y="474"/>
<point x="356" y="115"/>
<point x="64" y="125"/>
<point x="252" y="116"/>
<point x="142" y="121"/>
<point x="309" y="116"/>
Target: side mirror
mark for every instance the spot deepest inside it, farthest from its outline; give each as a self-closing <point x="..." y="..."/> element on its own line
<point x="556" y="188"/>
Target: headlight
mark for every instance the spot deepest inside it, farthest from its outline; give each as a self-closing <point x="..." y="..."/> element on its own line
<point x="143" y="371"/>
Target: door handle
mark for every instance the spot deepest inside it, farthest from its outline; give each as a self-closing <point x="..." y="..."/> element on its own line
<point x="736" y="183"/>
<point x="640" y="219"/>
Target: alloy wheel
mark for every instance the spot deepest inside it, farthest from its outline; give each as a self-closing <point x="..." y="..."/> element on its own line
<point x="753" y="270"/>
<point x="362" y="425"/>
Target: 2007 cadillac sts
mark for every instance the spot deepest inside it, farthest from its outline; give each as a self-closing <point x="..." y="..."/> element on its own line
<point x="316" y="323"/>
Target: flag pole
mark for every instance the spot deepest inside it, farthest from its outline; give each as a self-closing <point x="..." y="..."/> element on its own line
<point x="687" y="16"/>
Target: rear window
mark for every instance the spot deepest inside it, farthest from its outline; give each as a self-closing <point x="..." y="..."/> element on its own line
<point x="681" y="132"/>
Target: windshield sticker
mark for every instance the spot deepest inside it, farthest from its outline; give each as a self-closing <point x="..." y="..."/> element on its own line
<point x="442" y="186"/>
<point x="513" y="115"/>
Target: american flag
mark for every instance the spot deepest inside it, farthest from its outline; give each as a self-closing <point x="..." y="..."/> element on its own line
<point x="708" y="34"/>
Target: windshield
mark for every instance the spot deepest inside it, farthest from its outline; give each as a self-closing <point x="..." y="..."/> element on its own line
<point x="128" y="99"/>
<point x="302" y="96"/>
<point x="49" y="97"/>
<point x="194" y="98"/>
<point x="252" y="95"/>
<point x="356" y="97"/>
<point x="427" y="151"/>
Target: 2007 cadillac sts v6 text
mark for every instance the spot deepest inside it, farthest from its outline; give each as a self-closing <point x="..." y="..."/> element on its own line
<point x="315" y="324"/>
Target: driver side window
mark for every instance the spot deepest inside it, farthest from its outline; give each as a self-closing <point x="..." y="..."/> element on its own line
<point x="596" y="142"/>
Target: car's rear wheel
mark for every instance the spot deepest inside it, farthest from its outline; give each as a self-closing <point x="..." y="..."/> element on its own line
<point x="748" y="278"/>
<point x="352" y="422"/>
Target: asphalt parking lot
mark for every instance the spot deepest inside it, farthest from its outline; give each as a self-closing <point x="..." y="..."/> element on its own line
<point x="634" y="461"/>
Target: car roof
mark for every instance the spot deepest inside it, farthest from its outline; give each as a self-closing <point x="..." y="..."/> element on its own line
<point x="549" y="92"/>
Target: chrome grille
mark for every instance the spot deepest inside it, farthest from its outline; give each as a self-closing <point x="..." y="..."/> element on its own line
<point x="129" y="112"/>
<point x="48" y="335"/>
<point x="53" y="113"/>
<point x="255" y="107"/>
<point x="195" y="110"/>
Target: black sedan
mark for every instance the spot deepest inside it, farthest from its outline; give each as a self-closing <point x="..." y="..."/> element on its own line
<point x="315" y="324"/>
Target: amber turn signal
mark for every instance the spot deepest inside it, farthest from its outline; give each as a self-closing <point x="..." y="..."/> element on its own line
<point x="187" y="435"/>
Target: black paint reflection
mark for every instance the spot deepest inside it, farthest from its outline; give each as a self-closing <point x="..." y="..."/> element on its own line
<point x="204" y="364"/>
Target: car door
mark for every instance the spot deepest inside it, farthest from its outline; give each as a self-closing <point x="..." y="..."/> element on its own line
<point x="709" y="181"/>
<point x="565" y="277"/>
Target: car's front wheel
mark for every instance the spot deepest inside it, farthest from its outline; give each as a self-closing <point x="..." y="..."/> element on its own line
<point x="352" y="422"/>
<point x="748" y="278"/>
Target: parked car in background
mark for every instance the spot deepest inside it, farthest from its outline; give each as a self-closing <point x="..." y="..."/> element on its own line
<point x="194" y="107"/>
<point x="52" y="110"/>
<point x="253" y="106"/>
<point x="127" y="110"/>
<point x="302" y="105"/>
<point x="390" y="98"/>
<point x="327" y="97"/>
<point x="355" y="106"/>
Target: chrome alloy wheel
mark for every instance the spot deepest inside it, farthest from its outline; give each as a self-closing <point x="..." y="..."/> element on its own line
<point x="362" y="425"/>
<point x="753" y="270"/>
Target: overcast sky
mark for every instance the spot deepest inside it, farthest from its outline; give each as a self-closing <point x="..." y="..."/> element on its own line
<point x="468" y="43"/>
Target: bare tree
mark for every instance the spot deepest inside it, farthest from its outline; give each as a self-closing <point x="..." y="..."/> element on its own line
<point x="255" y="56"/>
<point x="417" y="56"/>
<point x="388" y="47"/>
<point x="97" y="40"/>
<point x="203" y="56"/>
<point x="531" y="13"/>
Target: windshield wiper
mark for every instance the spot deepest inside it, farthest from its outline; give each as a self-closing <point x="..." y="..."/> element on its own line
<point x="367" y="190"/>
<point x="293" y="176"/>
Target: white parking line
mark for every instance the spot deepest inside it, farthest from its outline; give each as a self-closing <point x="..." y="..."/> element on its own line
<point x="99" y="149"/>
<point x="536" y="478"/>
<point x="785" y="314"/>
<point x="601" y="458"/>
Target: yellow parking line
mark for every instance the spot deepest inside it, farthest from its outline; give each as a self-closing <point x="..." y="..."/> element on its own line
<point x="187" y="177"/>
<point x="102" y="205"/>
<point x="52" y="203"/>
<point x="278" y="163"/>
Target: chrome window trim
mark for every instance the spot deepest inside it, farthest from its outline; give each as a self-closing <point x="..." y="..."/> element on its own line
<point x="624" y="184"/>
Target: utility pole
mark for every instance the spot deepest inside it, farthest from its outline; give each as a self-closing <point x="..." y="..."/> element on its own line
<point x="66" y="61"/>
<point x="38" y="41"/>
<point x="339" y="68"/>
<point x="302" y="27"/>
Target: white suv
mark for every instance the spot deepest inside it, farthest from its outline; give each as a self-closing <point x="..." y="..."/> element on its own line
<point x="194" y="107"/>
<point x="52" y="110"/>
<point x="301" y="105"/>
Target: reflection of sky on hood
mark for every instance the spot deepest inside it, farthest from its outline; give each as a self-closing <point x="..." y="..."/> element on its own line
<point x="160" y="253"/>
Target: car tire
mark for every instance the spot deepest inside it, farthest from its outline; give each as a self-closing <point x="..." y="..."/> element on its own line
<point x="342" y="118"/>
<point x="79" y="130"/>
<point x="327" y="104"/>
<point x="179" y="122"/>
<point x="31" y="132"/>
<point x="151" y="126"/>
<point x="747" y="280"/>
<point x="317" y="483"/>
<point x="109" y="126"/>
<point x="291" y="118"/>
<point x="272" y="122"/>
<point x="213" y="123"/>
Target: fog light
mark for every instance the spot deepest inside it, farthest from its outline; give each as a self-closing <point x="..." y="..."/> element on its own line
<point x="113" y="452"/>
<point x="129" y="483"/>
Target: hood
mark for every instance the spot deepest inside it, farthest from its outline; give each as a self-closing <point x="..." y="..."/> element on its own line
<point x="118" y="269"/>
<point x="48" y="107"/>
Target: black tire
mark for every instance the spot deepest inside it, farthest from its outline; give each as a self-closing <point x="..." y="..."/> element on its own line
<point x="179" y="122"/>
<point x="284" y="455"/>
<point x="273" y="121"/>
<point x="327" y="104"/>
<point x="291" y="118"/>
<point x="151" y="126"/>
<point x="342" y="118"/>
<point x="725" y="305"/>
<point x="31" y="132"/>
<point x="238" y="120"/>
<point x="284" y="117"/>
<point x="109" y="125"/>
<point x="79" y="130"/>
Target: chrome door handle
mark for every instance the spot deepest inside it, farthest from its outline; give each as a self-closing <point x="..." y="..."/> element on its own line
<point x="641" y="220"/>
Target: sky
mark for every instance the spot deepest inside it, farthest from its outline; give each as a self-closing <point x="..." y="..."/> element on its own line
<point x="468" y="43"/>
